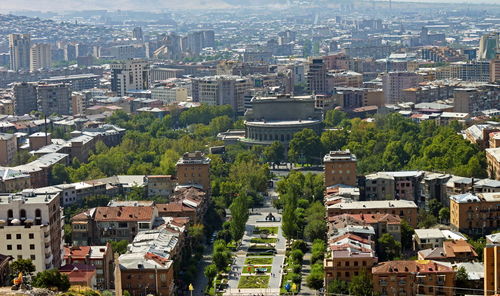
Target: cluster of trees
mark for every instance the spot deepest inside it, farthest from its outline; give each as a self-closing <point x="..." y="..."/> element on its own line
<point x="301" y="197"/>
<point x="221" y="257"/>
<point x="295" y="258"/>
<point x="316" y="278"/>
<point x="360" y="285"/>
<point x="51" y="279"/>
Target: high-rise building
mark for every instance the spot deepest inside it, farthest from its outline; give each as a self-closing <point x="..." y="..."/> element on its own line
<point x="194" y="168"/>
<point x="130" y="75"/>
<point x="40" y="57"/>
<point x="395" y="82"/>
<point x="316" y="76"/>
<point x="19" y="45"/>
<point x="137" y="33"/>
<point x="32" y="228"/>
<point x="70" y="52"/>
<point x="492" y="265"/>
<point x="488" y="46"/>
<point x="495" y="69"/>
<point x="221" y="90"/>
<point x="25" y="99"/>
<point x="340" y="168"/>
<point x="54" y="98"/>
<point x="8" y="148"/>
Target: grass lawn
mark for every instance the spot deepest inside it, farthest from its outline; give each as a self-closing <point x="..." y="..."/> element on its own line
<point x="258" y="240"/>
<point x="252" y="268"/>
<point x="272" y="230"/>
<point x="258" y="261"/>
<point x="254" y="282"/>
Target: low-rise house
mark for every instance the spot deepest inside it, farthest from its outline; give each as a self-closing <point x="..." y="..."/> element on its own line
<point x="100" y="257"/>
<point x="394" y="278"/>
<point x="80" y="275"/>
<point x="452" y="251"/>
<point x="434" y="238"/>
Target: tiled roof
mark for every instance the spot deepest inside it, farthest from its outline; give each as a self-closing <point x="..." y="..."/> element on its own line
<point x="174" y="207"/>
<point x="421" y="266"/>
<point x="77" y="251"/>
<point x="123" y="214"/>
<point x="458" y="246"/>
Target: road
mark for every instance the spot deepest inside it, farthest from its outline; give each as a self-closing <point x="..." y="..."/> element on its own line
<point x="201" y="281"/>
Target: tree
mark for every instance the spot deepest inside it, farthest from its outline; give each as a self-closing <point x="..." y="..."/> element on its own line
<point x="275" y="153"/>
<point x="461" y="280"/>
<point x="58" y="174"/>
<point x="444" y="215"/>
<point x="434" y="207"/>
<point x="210" y="272"/>
<point x="51" y="279"/>
<point x="361" y="285"/>
<point x="289" y="220"/>
<point x="297" y="256"/>
<point x="318" y="251"/>
<point x="389" y="248"/>
<point x="315" y="278"/>
<point x="333" y="140"/>
<point x="426" y="220"/>
<point x="305" y="147"/>
<point x="196" y="233"/>
<point x="335" y="117"/>
<point x="119" y="247"/>
<point x="315" y="229"/>
<point x="338" y="287"/>
<point x="239" y="217"/>
<point x="406" y="235"/>
<point x="25" y="266"/>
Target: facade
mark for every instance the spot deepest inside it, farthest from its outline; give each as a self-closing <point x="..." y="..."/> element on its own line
<point x="54" y="98"/>
<point x="419" y="277"/>
<point x="395" y="82"/>
<point x="493" y="160"/>
<point x="194" y="168"/>
<point x="475" y="100"/>
<point x="19" y="45"/>
<point x="316" y="76"/>
<point x="492" y="265"/>
<point x="221" y="90"/>
<point x="472" y="213"/>
<point x="169" y="94"/>
<point x="40" y="57"/>
<point x="32" y="228"/>
<point x="99" y="225"/>
<point x="495" y="69"/>
<point x="132" y="74"/>
<point x="340" y="168"/>
<point x="379" y="186"/>
<point x="453" y="251"/>
<point x="159" y="73"/>
<point x="160" y="185"/>
<point x="279" y="118"/>
<point x="100" y="257"/>
<point x="341" y="78"/>
<point x="25" y="98"/>
<point x="488" y="46"/>
<point x="8" y="148"/>
<point x="404" y="209"/>
<point x="76" y="82"/>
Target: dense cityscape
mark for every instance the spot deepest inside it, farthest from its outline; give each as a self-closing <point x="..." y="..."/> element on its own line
<point x="228" y="147"/>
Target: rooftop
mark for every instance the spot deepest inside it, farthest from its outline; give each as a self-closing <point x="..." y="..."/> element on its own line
<point x="339" y="155"/>
<point x="374" y="204"/>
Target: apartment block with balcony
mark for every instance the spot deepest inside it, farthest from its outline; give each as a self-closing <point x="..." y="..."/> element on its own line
<point x="194" y="169"/>
<point x="419" y="277"/>
<point x="31" y="227"/>
<point x="475" y="213"/>
<point x="492" y="265"/>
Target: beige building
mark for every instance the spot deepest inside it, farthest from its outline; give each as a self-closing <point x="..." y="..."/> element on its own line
<point x="492" y="265"/>
<point x="221" y="90"/>
<point x="8" y="148"/>
<point x="169" y="94"/>
<point x="474" y="213"/>
<point x="32" y="228"/>
<point x="54" y="98"/>
<point x="194" y="169"/>
<point x="343" y="78"/>
<point x="19" y="45"/>
<point x="40" y="57"/>
<point x="340" y="168"/>
<point x="395" y="82"/>
<point x="130" y="75"/>
<point x="493" y="160"/>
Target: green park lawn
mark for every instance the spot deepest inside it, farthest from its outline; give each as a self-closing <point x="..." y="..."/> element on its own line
<point x="258" y="240"/>
<point x="258" y="261"/>
<point x="254" y="282"/>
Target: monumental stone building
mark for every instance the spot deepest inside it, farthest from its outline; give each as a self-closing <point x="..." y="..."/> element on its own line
<point x="278" y="118"/>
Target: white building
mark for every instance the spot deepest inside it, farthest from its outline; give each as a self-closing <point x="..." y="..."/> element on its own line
<point x="31" y="227"/>
<point x="40" y="57"/>
<point x="130" y="75"/>
<point x="169" y="94"/>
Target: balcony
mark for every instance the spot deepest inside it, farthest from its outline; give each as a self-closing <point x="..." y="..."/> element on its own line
<point x="402" y="282"/>
<point x="383" y="283"/>
<point x="48" y="260"/>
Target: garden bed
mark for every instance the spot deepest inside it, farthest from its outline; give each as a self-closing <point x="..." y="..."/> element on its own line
<point x="258" y="240"/>
<point x="270" y="230"/>
<point x="259" y="261"/>
<point x="251" y="269"/>
<point x="254" y="282"/>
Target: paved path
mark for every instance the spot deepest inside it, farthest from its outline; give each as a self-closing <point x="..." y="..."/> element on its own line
<point x="201" y="281"/>
<point x="256" y="219"/>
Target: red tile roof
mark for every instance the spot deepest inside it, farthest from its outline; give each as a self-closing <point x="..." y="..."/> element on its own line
<point x="174" y="207"/>
<point x="124" y="214"/>
<point x="77" y="252"/>
<point x="421" y="266"/>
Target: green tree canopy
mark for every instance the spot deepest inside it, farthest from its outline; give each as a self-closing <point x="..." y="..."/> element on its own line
<point x="51" y="279"/>
<point x="305" y="147"/>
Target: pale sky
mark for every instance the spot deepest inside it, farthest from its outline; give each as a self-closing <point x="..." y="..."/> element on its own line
<point x="151" y="5"/>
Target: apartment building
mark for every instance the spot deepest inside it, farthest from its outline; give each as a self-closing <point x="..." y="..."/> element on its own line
<point x="493" y="161"/>
<point x="221" y="90"/>
<point x="491" y="258"/>
<point x="340" y="168"/>
<point x="100" y="257"/>
<point x="25" y="97"/>
<point x="475" y="213"/>
<point x="419" y="277"/>
<point x="40" y="57"/>
<point x="193" y="168"/>
<point x="395" y="82"/>
<point x="102" y="224"/>
<point x="403" y="208"/>
<point x="54" y="98"/>
<point x="453" y="251"/>
<point x="19" y="45"/>
<point x="8" y="148"/>
<point x="316" y="76"/>
<point x="132" y="74"/>
<point x="31" y="227"/>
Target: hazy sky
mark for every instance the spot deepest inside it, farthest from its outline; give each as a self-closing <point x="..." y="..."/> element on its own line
<point x="44" y="5"/>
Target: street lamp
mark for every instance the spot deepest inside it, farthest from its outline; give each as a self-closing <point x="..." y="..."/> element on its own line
<point x="191" y="288"/>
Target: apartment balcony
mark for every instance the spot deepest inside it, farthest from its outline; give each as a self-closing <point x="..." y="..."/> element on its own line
<point x="48" y="260"/>
<point x="46" y="238"/>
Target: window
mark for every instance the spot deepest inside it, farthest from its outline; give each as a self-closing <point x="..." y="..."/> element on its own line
<point x="347" y="274"/>
<point x="9" y="236"/>
<point x="364" y="263"/>
<point x="32" y="247"/>
<point x="33" y="257"/>
<point x="347" y="263"/>
<point x="18" y="236"/>
<point x="19" y="247"/>
<point x="9" y="247"/>
<point x="355" y="263"/>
